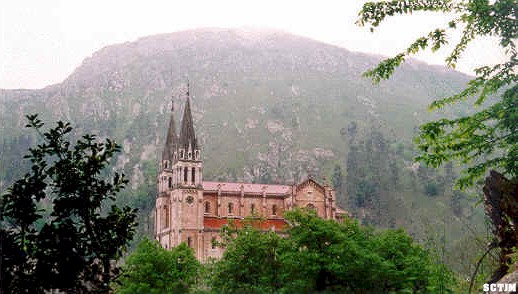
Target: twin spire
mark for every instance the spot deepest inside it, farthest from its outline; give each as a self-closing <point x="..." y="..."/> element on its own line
<point x="187" y="140"/>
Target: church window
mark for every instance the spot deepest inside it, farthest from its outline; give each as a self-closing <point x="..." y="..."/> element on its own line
<point x="185" y="174"/>
<point x="252" y="208"/>
<point x="193" y="175"/>
<point x="189" y="199"/>
<point x="166" y="217"/>
<point x="170" y="184"/>
<point x="274" y="209"/>
<point x="165" y="164"/>
<point x="189" y="242"/>
<point x="213" y="243"/>
<point x="181" y="154"/>
<point x="311" y="206"/>
<point x="207" y="207"/>
<point x="230" y="208"/>
<point x="190" y="155"/>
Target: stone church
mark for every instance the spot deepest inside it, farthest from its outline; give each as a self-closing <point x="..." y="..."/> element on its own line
<point x="191" y="210"/>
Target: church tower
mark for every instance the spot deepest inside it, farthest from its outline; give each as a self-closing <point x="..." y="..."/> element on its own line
<point x="180" y="191"/>
<point x="166" y="176"/>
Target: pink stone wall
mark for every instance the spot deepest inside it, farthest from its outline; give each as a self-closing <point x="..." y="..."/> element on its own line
<point x="186" y="219"/>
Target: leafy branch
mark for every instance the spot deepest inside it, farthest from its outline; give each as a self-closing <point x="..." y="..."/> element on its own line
<point x="486" y="139"/>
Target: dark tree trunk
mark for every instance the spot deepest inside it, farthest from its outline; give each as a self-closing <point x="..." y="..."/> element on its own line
<point x="501" y="206"/>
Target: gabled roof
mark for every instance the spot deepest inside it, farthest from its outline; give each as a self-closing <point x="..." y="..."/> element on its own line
<point x="310" y="182"/>
<point x="248" y="188"/>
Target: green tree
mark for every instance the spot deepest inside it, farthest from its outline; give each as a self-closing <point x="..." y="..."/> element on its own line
<point x="326" y="256"/>
<point x="250" y="263"/>
<point x="56" y="230"/>
<point x="322" y="256"/>
<point x="407" y="266"/>
<point x="153" y="269"/>
<point x="488" y="138"/>
<point x="329" y="257"/>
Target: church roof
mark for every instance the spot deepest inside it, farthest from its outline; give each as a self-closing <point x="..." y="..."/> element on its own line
<point x="247" y="187"/>
<point x="171" y="139"/>
<point x="187" y="135"/>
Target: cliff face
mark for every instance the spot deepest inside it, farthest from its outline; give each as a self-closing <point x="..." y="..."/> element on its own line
<point x="267" y="106"/>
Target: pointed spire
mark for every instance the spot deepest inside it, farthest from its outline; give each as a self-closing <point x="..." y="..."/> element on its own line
<point x="171" y="140"/>
<point x="187" y="135"/>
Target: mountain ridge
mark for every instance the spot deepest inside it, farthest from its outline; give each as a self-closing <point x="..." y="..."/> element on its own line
<point x="264" y="110"/>
<point x="245" y="32"/>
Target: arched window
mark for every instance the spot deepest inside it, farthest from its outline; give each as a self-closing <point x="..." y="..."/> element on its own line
<point x="189" y="242"/>
<point x="181" y="154"/>
<point x="165" y="164"/>
<point x="252" y="208"/>
<point x="193" y="175"/>
<point x="230" y="208"/>
<point x="166" y="217"/>
<point x="207" y="207"/>
<point x="311" y="206"/>
<point x="185" y="174"/>
<point x="170" y="182"/>
<point x="274" y="209"/>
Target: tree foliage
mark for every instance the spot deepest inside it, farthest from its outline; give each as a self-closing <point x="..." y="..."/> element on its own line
<point x="487" y="138"/>
<point x="153" y="269"/>
<point x="250" y="263"/>
<point x="56" y="231"/>
<point x="323" y="256"/>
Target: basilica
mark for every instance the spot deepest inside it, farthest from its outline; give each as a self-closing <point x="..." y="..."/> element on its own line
<point x="191" y="210"/>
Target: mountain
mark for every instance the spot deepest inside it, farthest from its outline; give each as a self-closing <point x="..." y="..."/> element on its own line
<point x="268" y="106"/>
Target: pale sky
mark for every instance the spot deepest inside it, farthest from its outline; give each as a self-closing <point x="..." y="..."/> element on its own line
<point x="42" y="42"/>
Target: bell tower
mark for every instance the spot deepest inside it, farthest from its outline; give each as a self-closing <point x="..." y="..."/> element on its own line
<point x="165" y="182"/>
<point x="188" y="185"/>
<point x="188" y="154"/>
<point x="180" y="181"/>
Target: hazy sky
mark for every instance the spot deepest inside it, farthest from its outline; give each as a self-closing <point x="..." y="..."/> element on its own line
<point x="42" y="42"/>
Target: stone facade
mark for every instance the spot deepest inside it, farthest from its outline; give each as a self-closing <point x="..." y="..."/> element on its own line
<point x="193" y="211"/>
